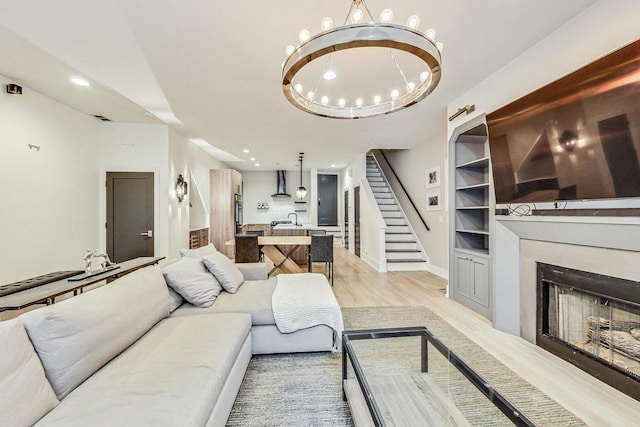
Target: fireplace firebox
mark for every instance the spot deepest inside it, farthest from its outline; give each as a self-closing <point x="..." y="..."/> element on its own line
<point x="593" y="322"/>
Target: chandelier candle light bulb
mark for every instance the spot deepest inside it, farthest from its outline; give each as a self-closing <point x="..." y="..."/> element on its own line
<point x="414" y="57"/>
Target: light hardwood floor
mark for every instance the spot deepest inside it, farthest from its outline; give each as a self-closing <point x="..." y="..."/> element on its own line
<point x="356" y="284"/>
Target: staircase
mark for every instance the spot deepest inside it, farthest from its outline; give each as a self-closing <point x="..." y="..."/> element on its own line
<point x="401" y="246"/>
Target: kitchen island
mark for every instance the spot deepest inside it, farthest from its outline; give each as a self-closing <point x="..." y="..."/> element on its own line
<point x="299" y="255"/>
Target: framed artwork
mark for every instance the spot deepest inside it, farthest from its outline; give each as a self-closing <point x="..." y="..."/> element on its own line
<point x="434" y="200"/>
<point x="433" y="177"/>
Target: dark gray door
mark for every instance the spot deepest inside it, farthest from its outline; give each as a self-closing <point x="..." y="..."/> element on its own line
<point x="356" y="220"/>
<point x="346" y="219"/>
<point x="129" y="215"/>
<point x="328" y="200"/>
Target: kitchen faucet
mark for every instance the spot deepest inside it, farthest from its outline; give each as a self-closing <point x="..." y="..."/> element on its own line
<point x="295" y="223"/>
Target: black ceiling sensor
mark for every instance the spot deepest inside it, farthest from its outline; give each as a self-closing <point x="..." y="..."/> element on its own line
<point x="103" y="118"/>
<point x="14" y="89"/>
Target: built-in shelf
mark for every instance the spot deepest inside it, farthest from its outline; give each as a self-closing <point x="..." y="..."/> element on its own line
<point x="461" y="208"/>
<point x="477" y="252"/>
<point x="466" y="230"/>
<point x="470" y="212"/>
<point x="482" y="162"/>
<point x="474" y="187"/>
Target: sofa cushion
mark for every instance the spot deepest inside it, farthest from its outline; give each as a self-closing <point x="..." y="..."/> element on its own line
<point x="253" y="297"/>
<point x="198" y="252"/>
<point x="26" y="393"/>
<point x="76" y="337"/>
<point x="189" y="277"/>
<point x="171" y="377"/>
<point x="224" y="271"/>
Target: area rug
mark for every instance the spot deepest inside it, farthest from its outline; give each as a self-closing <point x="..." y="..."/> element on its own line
<point x="305" y="389"/>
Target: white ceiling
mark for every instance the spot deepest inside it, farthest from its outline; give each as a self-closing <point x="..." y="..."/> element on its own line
<point x="211" y="69"/>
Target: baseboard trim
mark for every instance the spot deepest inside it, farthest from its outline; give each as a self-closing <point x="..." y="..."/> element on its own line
<point x="438" y="271"/>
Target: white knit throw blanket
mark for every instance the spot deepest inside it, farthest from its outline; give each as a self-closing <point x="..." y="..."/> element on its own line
<point x="303" y="300"/>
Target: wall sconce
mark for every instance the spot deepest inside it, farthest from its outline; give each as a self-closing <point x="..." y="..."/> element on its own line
<point x="181" y="188"/>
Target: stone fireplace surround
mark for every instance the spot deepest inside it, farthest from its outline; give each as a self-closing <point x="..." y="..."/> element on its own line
<point x="608" y="246"/>
<point x="603" y="245"/>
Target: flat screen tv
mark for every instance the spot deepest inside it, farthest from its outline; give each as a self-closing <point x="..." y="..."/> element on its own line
<point x="576" y="138"/>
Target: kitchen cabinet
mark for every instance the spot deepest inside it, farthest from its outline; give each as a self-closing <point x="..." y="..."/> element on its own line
<point x="225" y="185"/>
<point x="198" y="238"/>
<point x="266" y="228"/>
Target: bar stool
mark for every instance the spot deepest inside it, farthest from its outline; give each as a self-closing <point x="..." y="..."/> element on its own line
<point x="321" y="250"/>
<point x="247" y="249"/>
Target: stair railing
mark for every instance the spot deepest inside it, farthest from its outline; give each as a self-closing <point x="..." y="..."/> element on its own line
<point x="384" y="165"/>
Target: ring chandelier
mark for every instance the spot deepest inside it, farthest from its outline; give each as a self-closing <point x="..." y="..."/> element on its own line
<point x="314" y="96"/>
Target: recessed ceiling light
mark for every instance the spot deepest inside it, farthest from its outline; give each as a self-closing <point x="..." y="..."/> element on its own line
<point x="246" y="150"/>
<point x="257" y="164"/>
<point x="252" y="158"/>
<point x="333" y="166"/>
<point x="79" y="81"/>
<point x="329" y="75"/>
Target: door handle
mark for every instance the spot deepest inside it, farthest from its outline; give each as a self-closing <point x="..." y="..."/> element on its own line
<point x="148" y="233"/>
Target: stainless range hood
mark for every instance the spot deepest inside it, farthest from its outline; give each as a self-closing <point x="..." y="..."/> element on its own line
<point x="282" y="185"/>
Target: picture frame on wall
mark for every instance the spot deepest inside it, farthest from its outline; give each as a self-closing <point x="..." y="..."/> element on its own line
<point x="434" y="200"/>
<point x="433" y="177"/>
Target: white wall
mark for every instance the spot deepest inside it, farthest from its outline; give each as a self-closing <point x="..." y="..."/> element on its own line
<point x="194" y="164"/>
<point x="353" y="176"/>
<point x="126" y="147"/>
<point x="48" y="197"/>
<point x="258" y="188"/>
<point x="411" y="166"/>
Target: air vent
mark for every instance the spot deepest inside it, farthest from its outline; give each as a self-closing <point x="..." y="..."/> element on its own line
<point x="103" y="118"/>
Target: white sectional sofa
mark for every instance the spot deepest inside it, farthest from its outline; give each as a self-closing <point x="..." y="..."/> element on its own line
<point x="131" y="353"/>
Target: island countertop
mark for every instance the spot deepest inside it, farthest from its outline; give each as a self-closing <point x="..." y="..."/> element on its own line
<point x="291" y="227"/>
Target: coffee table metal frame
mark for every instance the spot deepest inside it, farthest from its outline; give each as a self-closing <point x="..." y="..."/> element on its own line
<point x="348" y="352"/>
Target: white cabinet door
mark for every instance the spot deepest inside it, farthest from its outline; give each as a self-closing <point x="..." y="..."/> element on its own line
<point x="472" y="279"/>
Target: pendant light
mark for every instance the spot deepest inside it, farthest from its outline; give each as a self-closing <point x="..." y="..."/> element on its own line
<point x="301" y="192"/>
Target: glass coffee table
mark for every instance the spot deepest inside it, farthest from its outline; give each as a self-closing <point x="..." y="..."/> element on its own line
<point x="407" y="377"/>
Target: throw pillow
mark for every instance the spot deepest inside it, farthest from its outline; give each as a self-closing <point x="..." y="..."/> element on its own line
<point x="175" y="300"/>
<point x="189" y="277"/>
<point x="199" y="252"/>
<point x="225" y="271"/>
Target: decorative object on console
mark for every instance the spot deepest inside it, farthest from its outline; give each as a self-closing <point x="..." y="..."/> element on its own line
<point x="413" y="58"/>
<point x="181" y="188"/>
<point x="301" y="191"/>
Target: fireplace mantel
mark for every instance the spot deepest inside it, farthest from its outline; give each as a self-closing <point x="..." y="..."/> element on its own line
<point x="618" y="233"/>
